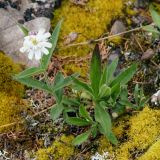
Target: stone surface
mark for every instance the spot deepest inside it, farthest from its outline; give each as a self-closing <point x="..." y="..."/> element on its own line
<point x="118" y="27"/>
<point x="12" y="37"/>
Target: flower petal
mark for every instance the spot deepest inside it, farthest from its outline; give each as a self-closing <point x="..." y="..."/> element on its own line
<point x="46" y="44"/>
<point x="30" y="55"/>
<point x="45" y="51"/>
<point x="38" y="55"/>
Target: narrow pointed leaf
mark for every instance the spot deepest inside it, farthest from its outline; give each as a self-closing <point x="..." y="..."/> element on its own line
<point x="125" y="76"/>
<point x="29" y="72"/>
<point x="54" y="38"/>
<point x="30" y="82"/>
<point x="82" y="85"/>
<point x="95" y="70"/>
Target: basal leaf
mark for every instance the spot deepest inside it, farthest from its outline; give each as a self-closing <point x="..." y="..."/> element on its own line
<point x="58" y="93"/>
<point x="103" y="118"/>
<point x="56" y="111"/>
<point x="84" y="114"/>
<point x="81" y="138"/>
<point x="95" y="70"/>
<point x="77" y="121"/>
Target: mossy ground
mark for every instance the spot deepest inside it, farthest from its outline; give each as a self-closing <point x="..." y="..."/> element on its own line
<point x="138" y="136"/>
<point x="11" y="104"/>
<point x="89" y="21"/>
<point x="60" y="149"/>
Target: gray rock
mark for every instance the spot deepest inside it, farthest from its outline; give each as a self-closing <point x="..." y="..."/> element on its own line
<point x="12" y="37"/>
<point x="118" y="27"/>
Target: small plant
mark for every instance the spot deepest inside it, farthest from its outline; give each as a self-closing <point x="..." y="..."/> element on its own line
<point x="108" y="94"/>
<point x="104" y="95"/>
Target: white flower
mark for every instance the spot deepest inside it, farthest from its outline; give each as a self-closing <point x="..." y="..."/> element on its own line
<point x="155" y="98"/>
<point x="36" y="44"/>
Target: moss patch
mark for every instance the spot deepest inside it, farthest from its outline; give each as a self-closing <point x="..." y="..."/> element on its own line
<point x="7" y="69"/>
<point x="60" y="149"/>
<point x="89" y="22"/>
<point x="143" y="131"/>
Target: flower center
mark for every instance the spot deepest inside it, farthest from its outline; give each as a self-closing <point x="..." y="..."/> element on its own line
<point x="34" y="41"/>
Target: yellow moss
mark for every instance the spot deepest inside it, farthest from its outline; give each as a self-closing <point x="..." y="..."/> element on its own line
<point x="7" y="69"/>
<point x="89" y="21"/>
<point x="60" y="149"/>
<point x="153" y="153"/>
<point x="142" y="132"/>
<point x="72" y="68"/>
<point x="10" y="109"/>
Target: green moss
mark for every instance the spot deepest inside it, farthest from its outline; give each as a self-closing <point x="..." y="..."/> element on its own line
<point x="10" y="110"/>
<point x="7" y="69"/>
<point x="60" y="149"/>
<point x="90" y="21"/>
<point x="143" y="131"/>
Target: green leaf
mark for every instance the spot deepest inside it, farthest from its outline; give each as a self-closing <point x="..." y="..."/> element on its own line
<point x="29" y="72"/>
<point x="54" y="38"/>
<point x="150" y="28"/>
<point x="30" y="82"/>
<point x="81" y="138"/>
<point x="112" y="138"/>
<point x="56" y="111"/>
<point x="110" y="71"/>
<point x="70" y="101"/>
<point x="23" y="29"/>
<point x="84" y="114"/>
<point x="58" y="93"/>
<point x="105" y="91"/>
<point x="65" y="82"/>
<point x="83" y="85"/>
<point x="95" y="70"/>
<point x="136" y="93"/>
<point x="77" y="121"/>
<point x="103" y="118"/>
<point x="155" y="15"/>
<point x="115" y="91"/>
<point x="125" y="76"/>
